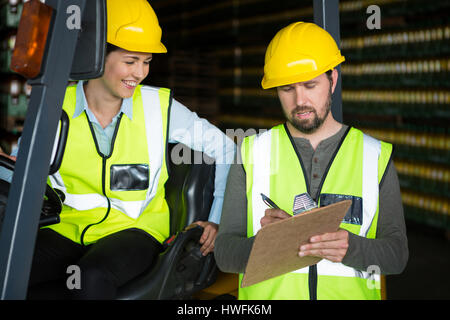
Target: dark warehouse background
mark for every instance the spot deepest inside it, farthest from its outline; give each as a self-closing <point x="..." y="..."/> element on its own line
<point x="395" y="86"/>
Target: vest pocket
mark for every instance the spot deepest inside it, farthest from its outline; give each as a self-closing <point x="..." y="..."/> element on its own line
<point x="354" y="213"/>
<point x="129" y="177"/>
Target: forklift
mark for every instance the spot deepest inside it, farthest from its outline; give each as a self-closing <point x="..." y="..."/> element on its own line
<point x="59" y="41"/>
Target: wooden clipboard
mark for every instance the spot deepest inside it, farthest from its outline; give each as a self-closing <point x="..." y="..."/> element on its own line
<point x="276" y="246"/>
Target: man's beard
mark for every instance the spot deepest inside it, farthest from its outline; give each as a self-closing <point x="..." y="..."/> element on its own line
<point x="309" y="126"/>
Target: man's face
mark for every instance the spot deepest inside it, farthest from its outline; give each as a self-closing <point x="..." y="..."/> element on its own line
<point x="124" y="70"/>
<point x="307" y="105"/>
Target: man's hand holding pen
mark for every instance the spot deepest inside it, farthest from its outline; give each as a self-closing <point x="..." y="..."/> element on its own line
<point x="273" y="215"/>
<point x="330" y="246"/>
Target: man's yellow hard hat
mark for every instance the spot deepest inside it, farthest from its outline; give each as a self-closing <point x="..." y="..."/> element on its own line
<point x="133" y="26"/>
<point x="299" y="52"/>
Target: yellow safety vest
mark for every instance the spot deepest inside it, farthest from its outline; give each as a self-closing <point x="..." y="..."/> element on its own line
<point x="97" y="202"/>
<point x="273" y="167"/>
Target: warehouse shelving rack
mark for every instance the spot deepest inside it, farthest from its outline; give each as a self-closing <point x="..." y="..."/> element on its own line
<point x="395" y="80"/>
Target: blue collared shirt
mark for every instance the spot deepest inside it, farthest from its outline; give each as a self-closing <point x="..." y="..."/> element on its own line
<point x="185" y="127"/>
<point x="103" y="135"/>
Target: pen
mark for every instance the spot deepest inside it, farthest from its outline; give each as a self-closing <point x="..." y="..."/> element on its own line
<point x="269" y="202"/>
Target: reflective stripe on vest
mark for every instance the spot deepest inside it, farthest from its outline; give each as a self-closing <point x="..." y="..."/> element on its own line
<point x="91" y="209"/>
<point x="273" y="168"/>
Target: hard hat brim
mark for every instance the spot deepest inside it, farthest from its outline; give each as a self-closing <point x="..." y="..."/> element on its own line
<point x="301" y="77"/>
<point x="157" y="48"/>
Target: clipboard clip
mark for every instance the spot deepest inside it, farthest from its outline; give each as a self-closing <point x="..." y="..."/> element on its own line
<point x="303" y="202"/>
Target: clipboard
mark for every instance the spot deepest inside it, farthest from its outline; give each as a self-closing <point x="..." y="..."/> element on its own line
<point x="276" y="246"/>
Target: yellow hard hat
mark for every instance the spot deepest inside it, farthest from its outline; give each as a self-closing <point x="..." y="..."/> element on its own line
<point x="133" y="26"/>
<point x="299" y="52"/>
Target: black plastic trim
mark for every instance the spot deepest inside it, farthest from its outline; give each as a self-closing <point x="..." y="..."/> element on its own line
<point x="104" y="158"/>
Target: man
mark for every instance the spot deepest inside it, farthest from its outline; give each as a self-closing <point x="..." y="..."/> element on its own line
<point x="314" y="153"/>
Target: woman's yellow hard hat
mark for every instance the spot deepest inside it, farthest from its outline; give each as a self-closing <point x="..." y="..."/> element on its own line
<point x="133" y="26"/>
<point x="299" y="52"/>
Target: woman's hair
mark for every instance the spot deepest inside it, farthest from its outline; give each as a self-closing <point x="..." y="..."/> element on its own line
<point x="110" y="48"/>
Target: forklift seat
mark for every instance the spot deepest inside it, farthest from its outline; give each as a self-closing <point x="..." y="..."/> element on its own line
<point x="181" y="270"/>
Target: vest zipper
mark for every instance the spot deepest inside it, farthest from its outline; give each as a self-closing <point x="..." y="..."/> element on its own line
<point x="104" y="158"/>
<point x="312" y="282"/>
<point x="107" y="199"/>
<point x="312" y="271"/>
<point x="331" y="162"/>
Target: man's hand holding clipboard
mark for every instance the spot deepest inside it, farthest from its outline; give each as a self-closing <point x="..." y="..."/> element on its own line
<point x="279" y="251"/>
<point x="331" y="246"/>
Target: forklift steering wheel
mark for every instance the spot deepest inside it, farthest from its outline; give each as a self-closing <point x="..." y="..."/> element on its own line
<point x="51" y="206"/>
<point x="54" y="198"/>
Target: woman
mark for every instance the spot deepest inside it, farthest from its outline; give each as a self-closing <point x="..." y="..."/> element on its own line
<point x="112" y="228"/>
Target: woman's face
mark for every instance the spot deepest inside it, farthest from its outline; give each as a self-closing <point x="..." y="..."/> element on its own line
<point x="124" y="70"/>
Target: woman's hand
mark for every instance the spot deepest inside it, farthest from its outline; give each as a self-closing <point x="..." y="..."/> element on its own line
<point x="208" y="237"/>
<point x="6" y="155"/>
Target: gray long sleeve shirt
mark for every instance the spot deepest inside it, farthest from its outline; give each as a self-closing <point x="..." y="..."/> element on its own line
<point x="389" y="250"/>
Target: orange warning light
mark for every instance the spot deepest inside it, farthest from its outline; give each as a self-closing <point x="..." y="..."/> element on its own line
<point x="31" y="38"/>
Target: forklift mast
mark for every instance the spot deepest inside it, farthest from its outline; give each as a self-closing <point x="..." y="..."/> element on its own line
<point x="326" y="15"/>
<point x="74" y="49"/>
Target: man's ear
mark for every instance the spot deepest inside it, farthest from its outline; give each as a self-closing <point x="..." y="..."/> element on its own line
<point x="334" y="76"/>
